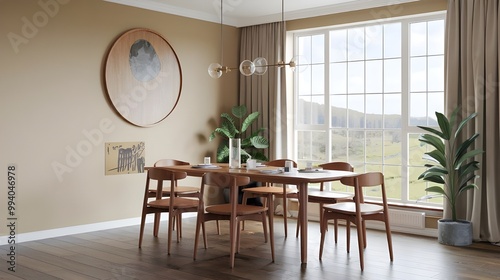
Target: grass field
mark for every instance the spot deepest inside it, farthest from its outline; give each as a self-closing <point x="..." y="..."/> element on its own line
<point x="373" y="151"/>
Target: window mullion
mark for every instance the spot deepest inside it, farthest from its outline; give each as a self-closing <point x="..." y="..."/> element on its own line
<point x="405" y="111"/>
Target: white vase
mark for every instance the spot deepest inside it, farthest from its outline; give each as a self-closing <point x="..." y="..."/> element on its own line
<point x="234" y="153"/>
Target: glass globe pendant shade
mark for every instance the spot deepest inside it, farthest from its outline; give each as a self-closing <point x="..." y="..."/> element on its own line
<point x="215" y="70"/>
<point x="260" y="65"/>
<point x="298" y="62"/>
<point x="247" y="67"/>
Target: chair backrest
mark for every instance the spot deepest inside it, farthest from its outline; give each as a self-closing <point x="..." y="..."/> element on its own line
<point x="337" y="165"/>
<point x="160" y="175"/>
<point x="280" y="162"/>
<point x="220" y="180"/>
<point x="365" y="180"/>
<point x="170" y="162"/>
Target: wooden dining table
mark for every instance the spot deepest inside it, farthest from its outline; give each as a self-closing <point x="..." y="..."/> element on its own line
<point x="272" y="175"/>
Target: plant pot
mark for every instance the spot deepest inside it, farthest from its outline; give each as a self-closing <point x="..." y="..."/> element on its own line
<point x="455" y="233"/>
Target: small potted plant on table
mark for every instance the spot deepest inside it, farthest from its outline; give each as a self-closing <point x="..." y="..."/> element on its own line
<point x="234" y="126"/>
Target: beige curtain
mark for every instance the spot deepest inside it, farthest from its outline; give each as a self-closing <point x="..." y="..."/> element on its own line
<point x="472" y="82"/>
<point x="266" y="93"/>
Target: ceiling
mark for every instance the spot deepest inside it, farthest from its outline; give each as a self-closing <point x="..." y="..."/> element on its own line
<point x="241" y="13"/>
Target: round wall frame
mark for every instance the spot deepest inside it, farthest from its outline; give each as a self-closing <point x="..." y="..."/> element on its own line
<point x="143" y="77"/>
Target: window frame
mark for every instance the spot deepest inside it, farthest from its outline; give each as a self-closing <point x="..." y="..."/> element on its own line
<point x="406" y="129"/>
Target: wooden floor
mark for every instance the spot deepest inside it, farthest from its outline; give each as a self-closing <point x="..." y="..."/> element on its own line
<point x="113" y="254"/>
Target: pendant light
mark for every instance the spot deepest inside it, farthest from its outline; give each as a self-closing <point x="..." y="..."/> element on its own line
<point x="259" y="65"/>
<point x="215" y="70"/>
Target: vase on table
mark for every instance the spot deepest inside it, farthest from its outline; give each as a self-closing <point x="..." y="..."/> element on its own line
<point x="234" y="153"/>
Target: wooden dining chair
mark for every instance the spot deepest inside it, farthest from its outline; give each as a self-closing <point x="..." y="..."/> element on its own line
<point x="232" y="211"/>
<point x="181" y="191"/>
<point x="273" y="191"/>
<point x="173" y="205"/>
<point x="323" y="197"/>
<point x="358" y="212"/>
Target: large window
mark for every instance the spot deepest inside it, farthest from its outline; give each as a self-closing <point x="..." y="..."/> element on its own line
<point x="361" y="94"/>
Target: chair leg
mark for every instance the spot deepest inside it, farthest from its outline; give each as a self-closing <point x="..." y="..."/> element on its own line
<point x="197" y="236"/>
<point x="297" y="230"/>
<point x="348" y="234"/>
<point x="335" y="230"/>
<point x="323" y="226"/>
<point x="233" y="236"/>
<point x="361" y="245"/>
<point x="156" y="224"/>
<point x="205" y="233"/>
<point x="238" y="233"/>
<point x="244" y="202"/>
<point x="176" y="222"/>
<point x="264" y="227"/>
<point x="321" y="215"/>
<point x="389" y="236"/>
<point x="271" y="224"/>
<point x="141" y="233"/>
<point x="285" y="222"/>
<point x="171" y="215"/>
<point x="218" y="227"/>
<point x="364" y="233"/>
<point x="179" y="226"/>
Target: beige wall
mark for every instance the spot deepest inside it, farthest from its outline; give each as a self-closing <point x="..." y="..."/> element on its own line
<point x="52" y="92"/>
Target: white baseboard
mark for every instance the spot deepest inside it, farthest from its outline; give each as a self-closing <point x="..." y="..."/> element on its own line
<point x="51" y="233"/>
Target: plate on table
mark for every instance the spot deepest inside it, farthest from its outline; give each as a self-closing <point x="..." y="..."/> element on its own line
<point x="202" y="165"/>
<point x="256" y="168"/>
<point x="271" y="171"/>
<point x="312" y="170"/>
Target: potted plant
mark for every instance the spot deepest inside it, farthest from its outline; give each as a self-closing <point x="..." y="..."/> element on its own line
<point x="453" y="169"/>
<point x="234" y="126"/>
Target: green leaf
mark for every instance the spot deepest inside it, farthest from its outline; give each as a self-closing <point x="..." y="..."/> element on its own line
<point x="466" y="178"/>
<point x="246" y="143"/>
<point x="438" y="156"/>
<point x="466" y="188"/>
<point x="434" y="141"/>
<point x="469" y="167"/>
<point x="462" y="148"/>
<point x="438" y="179"/>
<point x="212" y="136"/>
<point x="437" y="170"/>
<point x="256" y="154"/>
<point x="239" y="111"/>
<point x="463" y="123"/>
<point x="249" y="120"/>
<point x="465" y="157"/>
<point x="260" y="142"/>
<point x="223" y="153"/>
<point x="229" y="125"/>
<point x="436" y="189"/>
<point x="432" y="130"/>
<point x="444" y="125"/>
<point x="223" y="131"/>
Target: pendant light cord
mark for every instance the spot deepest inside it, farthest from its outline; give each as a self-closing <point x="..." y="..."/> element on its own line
<point x="283" y="31"/>
<point x="221" y="35"/>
